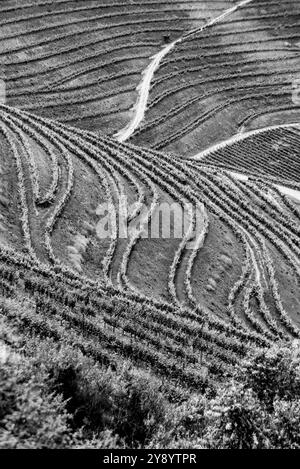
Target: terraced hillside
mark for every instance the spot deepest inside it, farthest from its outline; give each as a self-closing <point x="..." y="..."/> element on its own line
<point x="81" y="61"/>
<point x="149" y="224"/>
<point x="230" y="76"/>
<point x="271" y="153"/>
<point x="185" y="309"/>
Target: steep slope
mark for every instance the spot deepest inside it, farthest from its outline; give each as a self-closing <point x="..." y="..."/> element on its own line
<point x="138" y="70"/>
<point x="81" y="62"/>
<point x="270" y="153"/>
<point x="237" y="73"/>
<point x="229" y="282"/>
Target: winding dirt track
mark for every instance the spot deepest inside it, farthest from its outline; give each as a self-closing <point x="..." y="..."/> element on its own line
<point x="243" y="136"/>
<point x="144" y="87"/>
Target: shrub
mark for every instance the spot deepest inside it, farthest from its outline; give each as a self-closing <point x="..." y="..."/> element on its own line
<point x="126" y="402"/>
<point x="234" y="420"/>
<point x="30" y="415"/>
<point x="259" y="408"/>
<point x="52" y="396"/>
<point x="272" y="374"/>
<point x="183" y="425"/>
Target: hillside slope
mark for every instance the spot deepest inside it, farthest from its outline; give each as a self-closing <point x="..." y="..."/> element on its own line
<point x="270" y="153"/>
<point x="81" y="61"/>
<point x="229" y="282"/>
<point x="235" y="74"/>
<point x="86" y="64"/>
<point x="149" y="224"/>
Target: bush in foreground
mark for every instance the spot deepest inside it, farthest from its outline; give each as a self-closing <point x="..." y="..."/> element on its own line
<point x="259" y="408"/>
<point x="51" y="396"/>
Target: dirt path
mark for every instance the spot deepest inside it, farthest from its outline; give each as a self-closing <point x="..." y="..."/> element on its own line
<point x="240" y="137"/>
<point x="143" y="89"/>
<point x="292" y="193"/>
